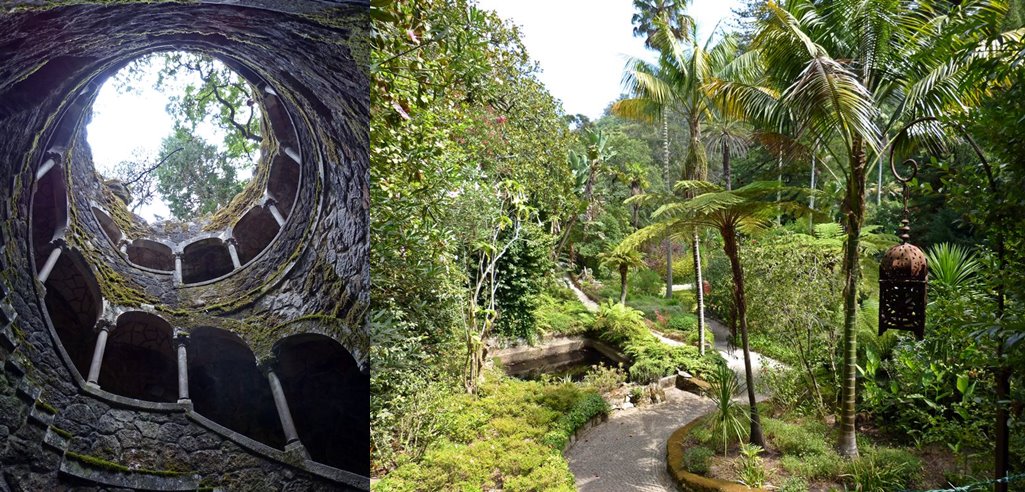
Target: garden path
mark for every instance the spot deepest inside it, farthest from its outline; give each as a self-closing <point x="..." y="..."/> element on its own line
<point x="628" y="452"/>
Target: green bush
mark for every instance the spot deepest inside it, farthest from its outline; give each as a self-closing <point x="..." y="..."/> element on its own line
<point x="604" y="379"/>
<point x="683" y="323"/>
<point x="752" y="473"/>
<point x="645" y="282"/>
<point x="695" y="459"/>
<point x="729" y="418"/>
<point x="522" y="273"/>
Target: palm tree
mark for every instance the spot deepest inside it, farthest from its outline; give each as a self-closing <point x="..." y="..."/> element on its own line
<point x="622" y="260"/>
<point x="686" y="77"/>
<point x="851" y="72"/>
<point x="730" y="212"/>
<point x="650" y="13"/>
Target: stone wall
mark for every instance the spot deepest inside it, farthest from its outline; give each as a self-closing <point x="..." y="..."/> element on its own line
<point x="56" y="430"/>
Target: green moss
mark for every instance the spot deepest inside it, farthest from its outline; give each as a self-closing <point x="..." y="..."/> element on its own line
<point x="61" y="432"/>
<point x="227" y="215"/>
<point x="46" y="407"/>
<point x="117" y="467"/>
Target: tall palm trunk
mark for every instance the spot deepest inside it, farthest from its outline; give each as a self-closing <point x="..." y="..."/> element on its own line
<point x="622" y="283"/>
<point x="854" y="215"/>
<point x="729" y="235"/>
<point x="726" y="171"/>
<point x="669" y="188"/>
<point x="699" y="171"/>
<point x="700" y="287"/>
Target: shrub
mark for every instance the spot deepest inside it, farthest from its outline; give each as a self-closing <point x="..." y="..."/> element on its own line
<point x="604" y="379"/>
<point x="695" y="459"/>
<point x="645" y="282"/>
<point x="683" y="323"/>
<point x="522" y="273"/>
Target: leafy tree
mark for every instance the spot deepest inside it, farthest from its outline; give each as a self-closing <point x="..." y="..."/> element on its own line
<point x="194" y="178"/>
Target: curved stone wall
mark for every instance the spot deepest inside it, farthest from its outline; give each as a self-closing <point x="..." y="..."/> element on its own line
<point x="103" y="321"/>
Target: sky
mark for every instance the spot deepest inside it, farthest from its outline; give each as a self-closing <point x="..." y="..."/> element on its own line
<point x="129" y="126"/>
<point x="582" y="45"/>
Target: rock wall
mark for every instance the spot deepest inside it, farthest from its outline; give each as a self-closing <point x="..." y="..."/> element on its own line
<point x="311" y="283"/>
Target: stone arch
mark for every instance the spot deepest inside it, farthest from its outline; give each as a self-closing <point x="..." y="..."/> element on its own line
<point x="74" y="304"/>
<point x="205" y="259"/>
<point x="254" y="232"/>
<point x="329" y="400"/>
<point x="283" y="183"/>
<point x="226" y="386"/>
<point x="139" y="361"/>
<point x="151" y="254"/>
<point x="108" y="225"/>
<point x="49" y="212"/>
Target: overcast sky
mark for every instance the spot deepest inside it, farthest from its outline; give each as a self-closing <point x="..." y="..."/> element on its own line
<point x="582" y="45"/>
<point x="130" y="127"/>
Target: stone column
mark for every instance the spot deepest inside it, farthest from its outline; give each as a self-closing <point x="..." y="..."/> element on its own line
<point x="284" y="414"/>
<point x="104" y="327"/>
<point x="233" y="251"/>
<point x="178" y="268"/>
<point x="290" y="152"/>
<point x="272" y="206"/>
<point x="45" y="168"/>
<point x="51" y="261"/>
<point x="181" y="340"/>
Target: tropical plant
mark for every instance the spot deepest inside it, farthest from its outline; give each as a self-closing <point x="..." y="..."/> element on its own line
<point x="622" y="261"/>
<point x="838" y="63"/>
<point x="951" y="267"/>
<point x="728" y="417"/>
<point x="745" y="209"/>
<point x="752" y="473"/>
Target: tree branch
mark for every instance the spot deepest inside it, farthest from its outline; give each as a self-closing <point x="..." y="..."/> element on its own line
<point x="144" y="173"/>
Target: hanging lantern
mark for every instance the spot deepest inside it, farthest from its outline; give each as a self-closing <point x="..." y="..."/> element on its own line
<point x="903" y="285"/>
<point x="903" y="278"/>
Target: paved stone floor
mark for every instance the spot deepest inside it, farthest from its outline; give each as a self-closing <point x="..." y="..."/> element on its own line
<point x="628" y="452"/>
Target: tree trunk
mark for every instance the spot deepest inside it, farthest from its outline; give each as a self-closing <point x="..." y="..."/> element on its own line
<point x="622" y="284"/>
<point x="699" y="286"/>
<point x="729" y="235"/>
<point x="854" y="215"/>
<point x="669" y="188"/>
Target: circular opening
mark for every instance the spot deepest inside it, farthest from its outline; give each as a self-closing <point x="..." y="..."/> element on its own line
<point x="176" y="136"/>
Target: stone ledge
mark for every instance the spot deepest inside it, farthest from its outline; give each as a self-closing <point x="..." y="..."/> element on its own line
<point x="691" y="482"/>
<point x="127" y="479"/>
<point x="579" y="433"/>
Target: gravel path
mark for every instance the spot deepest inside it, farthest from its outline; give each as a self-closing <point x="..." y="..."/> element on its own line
<point x="628" y="451"/>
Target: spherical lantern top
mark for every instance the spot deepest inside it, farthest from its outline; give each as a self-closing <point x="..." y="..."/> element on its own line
<point x="904" y="262"/>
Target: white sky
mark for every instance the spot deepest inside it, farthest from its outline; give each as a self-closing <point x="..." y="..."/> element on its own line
<point x="130" y="126"/>
<point x="582" y="45"/>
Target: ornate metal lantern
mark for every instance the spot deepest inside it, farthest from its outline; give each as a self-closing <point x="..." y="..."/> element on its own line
<point x="903" y="277"/>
